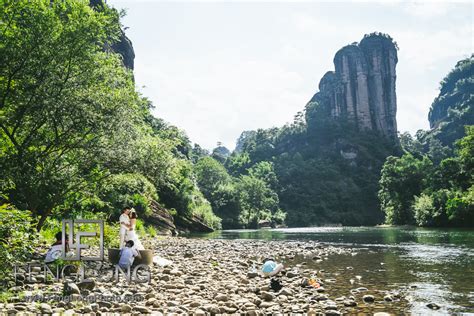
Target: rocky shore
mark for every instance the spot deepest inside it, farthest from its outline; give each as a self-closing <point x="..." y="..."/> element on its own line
<point x="207" y="277"/>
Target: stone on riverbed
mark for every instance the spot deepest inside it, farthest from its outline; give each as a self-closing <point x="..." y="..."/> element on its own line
<point x="286" y="292"/>
<point x="267" y="296"/>
<point x="125" y="308"/>
<point x="71" y="288"/>
<point x="433" y="306"/>
<point x="46" y="308"/>
<point x="388" y="298"/>
<point x="252" y="274"/>
<point x="211" y="281"/>
<point x="350" y="303"/>
<point x="221" y="298"/>
<point x="368" y="298"/>
<point x="292" y="274"/>
<point x="86" y="285"/>
<point x="142" y="309"/>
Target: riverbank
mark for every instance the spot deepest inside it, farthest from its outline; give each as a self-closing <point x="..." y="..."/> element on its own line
<point x="209" y="276"/>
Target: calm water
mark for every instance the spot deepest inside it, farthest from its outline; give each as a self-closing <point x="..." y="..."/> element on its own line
<point x="426" y="265"/>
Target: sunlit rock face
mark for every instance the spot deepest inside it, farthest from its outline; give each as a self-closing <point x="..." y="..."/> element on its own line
<point x="362" y="87"/>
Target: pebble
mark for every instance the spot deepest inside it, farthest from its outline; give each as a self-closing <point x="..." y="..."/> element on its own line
<point x="86" y="285"/>
<point x="125" y="308"/>
<point x="45" y="308"/>
<point x="252" y="275"/>
<point x="267" y="296"/>
<point x="204" y="277"/>
<point x="292" y="274"/>
<point x="388" y="298"/>
<point x="350" y="303"/>
<point x="221" y="298"/>
<point x="71" y="288"/>
<point x="286" y="291"/>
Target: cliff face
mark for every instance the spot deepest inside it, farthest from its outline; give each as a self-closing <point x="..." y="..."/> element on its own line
<point x="123" y="46"/>
<point x="125" y="49"/>
<point x="362" y="87"/>
<point x="453" y="108"/>
<point x="456" y="93"/>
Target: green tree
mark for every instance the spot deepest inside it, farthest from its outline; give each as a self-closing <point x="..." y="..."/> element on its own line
<point x="258" y="201"/>
<point x="219" y="189"/>
<point x="61" y="95"/>
<point x="401" y="180"/>
<point x="210" y="174"/>
<point x="264" y="171"/>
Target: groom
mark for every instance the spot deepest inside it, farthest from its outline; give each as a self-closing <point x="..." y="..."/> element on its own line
<point x="124" y="225"/>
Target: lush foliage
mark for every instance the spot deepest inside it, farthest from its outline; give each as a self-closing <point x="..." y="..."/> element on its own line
<point x="325" y="170"/>
<point x="18" y="238"/>
<point x="402" y="179"/>
<point x="119" y="190"/>
<point x="242" y="201"/>
<point x="75" y="135"/>
<point x="422" y="192"/>
<point x="432" y="183"/>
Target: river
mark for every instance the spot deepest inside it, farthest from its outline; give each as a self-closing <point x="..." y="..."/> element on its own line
<point x="425" y="265"/>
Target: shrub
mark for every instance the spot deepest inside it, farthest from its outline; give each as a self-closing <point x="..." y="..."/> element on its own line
<point x="18" y="239"/>
<point x="151" y="231"/>
<point x="424" y="209"/>
<point x="460" y="208"/>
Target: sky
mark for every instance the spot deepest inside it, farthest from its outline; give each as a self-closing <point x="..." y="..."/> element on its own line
<point x="217" y="68"/>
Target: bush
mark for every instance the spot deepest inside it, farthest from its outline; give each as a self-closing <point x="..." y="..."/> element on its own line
<point x="151" y="231"/>
<point x="460" y="208"/>
<point x="18" y="239"/>
<point x="424" y="209"/>
<point x="202" y="209"/>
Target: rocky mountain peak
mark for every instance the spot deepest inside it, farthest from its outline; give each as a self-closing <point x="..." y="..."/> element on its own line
<point x="362" y="87"/>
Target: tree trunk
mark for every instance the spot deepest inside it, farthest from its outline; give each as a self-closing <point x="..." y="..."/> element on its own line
<point x="42" y="219"/>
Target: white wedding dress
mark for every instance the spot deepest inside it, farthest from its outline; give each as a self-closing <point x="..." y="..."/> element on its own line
<point x="132" y="235"/>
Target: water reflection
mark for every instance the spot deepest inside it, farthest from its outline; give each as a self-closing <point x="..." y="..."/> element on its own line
<point x="428" y="265"/>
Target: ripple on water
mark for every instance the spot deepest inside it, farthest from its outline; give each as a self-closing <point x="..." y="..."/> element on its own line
<point x="435" y="253"/>
<point x="419" y="294"/>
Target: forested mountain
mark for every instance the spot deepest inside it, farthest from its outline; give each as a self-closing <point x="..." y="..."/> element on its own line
<point x="325" y="166"/>
<point x="431" y="184"/>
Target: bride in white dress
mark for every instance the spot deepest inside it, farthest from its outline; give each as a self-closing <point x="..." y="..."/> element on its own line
<point x="132" y="234"/>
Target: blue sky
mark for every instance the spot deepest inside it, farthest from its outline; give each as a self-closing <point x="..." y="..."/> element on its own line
<point x="217" y="68"/>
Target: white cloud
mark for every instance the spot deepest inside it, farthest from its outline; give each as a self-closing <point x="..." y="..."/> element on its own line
<point x="427" y="49"/>
<point x="216" y="102"/>
<point x="428" y="9"/>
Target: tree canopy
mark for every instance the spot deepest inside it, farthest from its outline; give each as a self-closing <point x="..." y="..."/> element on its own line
<point x="74" y="132"/>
